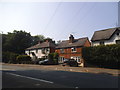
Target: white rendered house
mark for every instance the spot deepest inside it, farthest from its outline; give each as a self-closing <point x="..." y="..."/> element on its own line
<point x="41" y="50"/>
<point x="106" y="37"/>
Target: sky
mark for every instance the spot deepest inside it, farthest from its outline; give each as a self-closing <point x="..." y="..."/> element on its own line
<point x="58" y="20"/>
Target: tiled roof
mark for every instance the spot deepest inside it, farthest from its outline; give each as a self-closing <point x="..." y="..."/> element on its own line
<point x="76" y="43"/>
<point x="42" y="45"/>
<point x="104" y="34"/>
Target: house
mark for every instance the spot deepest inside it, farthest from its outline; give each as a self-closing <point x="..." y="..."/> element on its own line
<point x="41" y="50"/>
<point x="105" y="37"/>
<point x="72" y="48"/>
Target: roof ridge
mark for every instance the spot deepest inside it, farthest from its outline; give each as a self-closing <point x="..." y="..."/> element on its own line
<point x="75" y="39"/>
<point x="107" y="29"/>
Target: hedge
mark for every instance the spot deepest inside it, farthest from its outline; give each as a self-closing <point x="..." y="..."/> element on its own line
<point x="23" y="58"/>
<point x="103" y="56"/>
<point x="9" y="57"/>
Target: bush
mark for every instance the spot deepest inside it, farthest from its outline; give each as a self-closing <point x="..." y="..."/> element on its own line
<point x="53" y="57"/>
<point x="103" y="56"/>
<point x="9" y="57"/>
<point x="25" y="59"/>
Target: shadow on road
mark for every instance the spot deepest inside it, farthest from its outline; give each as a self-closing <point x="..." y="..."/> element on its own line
<point x="61" y="78"/>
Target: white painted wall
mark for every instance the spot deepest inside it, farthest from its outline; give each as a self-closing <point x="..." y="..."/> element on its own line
<point x="39" y="54"/>
<point x="108" y="42"/>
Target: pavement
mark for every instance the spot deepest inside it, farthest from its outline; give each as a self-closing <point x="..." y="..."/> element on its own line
<point x="114" y="72"/>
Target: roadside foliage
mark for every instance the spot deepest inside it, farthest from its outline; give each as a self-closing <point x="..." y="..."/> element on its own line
<point x="107" y="56"/>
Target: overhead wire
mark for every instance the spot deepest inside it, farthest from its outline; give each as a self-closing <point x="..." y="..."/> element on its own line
<point x="75" y="15"/>
<point x="84" y="16"/>
<point x="51" y="18"/>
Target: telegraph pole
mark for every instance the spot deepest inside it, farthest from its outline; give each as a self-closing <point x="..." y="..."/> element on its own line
<point x="1" y="46"/>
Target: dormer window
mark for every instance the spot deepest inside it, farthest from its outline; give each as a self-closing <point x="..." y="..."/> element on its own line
<point x="73" y="49"/>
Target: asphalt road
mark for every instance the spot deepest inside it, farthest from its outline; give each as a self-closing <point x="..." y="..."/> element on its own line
<point x="31" y="78"/>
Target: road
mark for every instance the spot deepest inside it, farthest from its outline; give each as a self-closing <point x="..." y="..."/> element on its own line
<point x="23" y="77"/>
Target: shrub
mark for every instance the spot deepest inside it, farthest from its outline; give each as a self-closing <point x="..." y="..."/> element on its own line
<point x="23" y="59"/>
<point x="9" y="57"/>
<point x="53" y="57"/>
<point x="103" y="56"/>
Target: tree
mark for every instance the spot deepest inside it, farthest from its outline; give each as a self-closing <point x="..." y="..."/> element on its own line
<point x="17" y="41"/>
<point x="37" y="38"/>
<point x="50" y="39"/>
<point x="58" y="42"/>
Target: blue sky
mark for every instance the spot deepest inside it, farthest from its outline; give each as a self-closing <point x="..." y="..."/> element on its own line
<point x="58" y="20"/>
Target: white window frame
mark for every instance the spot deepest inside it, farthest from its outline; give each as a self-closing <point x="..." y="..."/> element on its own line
<point x="77" y="58"/>
<point x="74" y="49"/>
<point x="61" y="58"/>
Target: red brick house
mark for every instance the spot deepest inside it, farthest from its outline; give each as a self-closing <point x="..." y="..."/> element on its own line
<point x="72" y="48"/>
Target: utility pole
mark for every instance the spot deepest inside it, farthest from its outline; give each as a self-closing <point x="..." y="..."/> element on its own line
<point x="1" y="46"/>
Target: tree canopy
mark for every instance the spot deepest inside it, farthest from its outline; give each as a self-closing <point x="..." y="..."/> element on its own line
<point x="37" y="38"/>
<point x="18" y="41"/>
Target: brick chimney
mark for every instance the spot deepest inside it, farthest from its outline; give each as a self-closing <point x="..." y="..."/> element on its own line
<point x="48" y="40"/>
<point x="71" y="38"/>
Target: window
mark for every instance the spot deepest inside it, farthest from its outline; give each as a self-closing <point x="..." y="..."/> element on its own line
<point x="76" y="58"/>
<point x="29" y="52"/>
<point x="73" y="49"/>
<point x="117" y="41"/>
<point x="61" y="50"/>
<point x="61" y="59"/>
<point x="47" y="49"/>
<point x="117" y="34"/>
<point x="36" y="50"/>
<point x="43" y="50"/>
<point x="102" y="43"/>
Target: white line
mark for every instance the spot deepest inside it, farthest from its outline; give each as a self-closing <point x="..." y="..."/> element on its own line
<point x="31" y="78"/>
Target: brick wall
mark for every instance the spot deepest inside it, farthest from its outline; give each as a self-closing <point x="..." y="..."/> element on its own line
<point x="68" y="53"/>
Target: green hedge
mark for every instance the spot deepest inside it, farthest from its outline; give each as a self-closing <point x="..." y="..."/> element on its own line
<point x="9" y="57"/>
<point x="23" y="58"/>
<point x="103" y="56"/>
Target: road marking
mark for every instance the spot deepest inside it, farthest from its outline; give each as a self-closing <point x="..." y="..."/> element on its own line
<point x="76" y="87"/>
<point x="7" y="69"/>
<point x="31" y="78"/>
